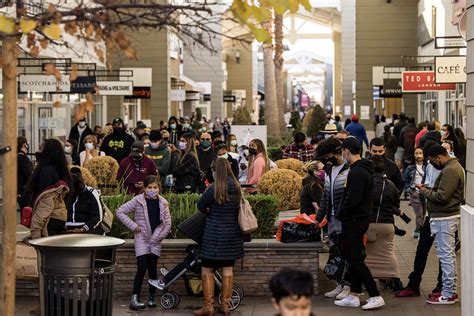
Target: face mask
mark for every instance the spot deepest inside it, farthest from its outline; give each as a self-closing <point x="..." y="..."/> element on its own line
<point x="89" y="146"/>
<point x="225" y="156"/>
<point x="165" y="139"/>
<point x="68" y="149"/>
<point x="252" y="151"/>
<point x="233" y="142"/>
<point x="333" y="160"/>
<point x="119" y="130"/>
<point x="246" y="152"/>
<point x="138" y="157"/>
<point x="151" y="194"/>
<point x="185" y="125"/>
<point x="182" y="145"/>
<point x="155" y="145"/>
<point x="205" y="144"/>
<point x="443" y="133"/>
<point x="82" y="124"/>
<point x="203" y="129"/>
<point x="436" y="166"/>
<point x="27" y="148"/>
<point x="173" y="126"/>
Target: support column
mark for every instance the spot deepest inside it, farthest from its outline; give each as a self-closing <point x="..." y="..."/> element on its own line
<point x="337" y="74"/>
<point x="467" y="212"/>
<point x="348" y="50"/>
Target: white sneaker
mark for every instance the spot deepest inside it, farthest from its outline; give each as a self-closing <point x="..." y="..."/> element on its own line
<point x="374" y="302"/>
<point x="159" y="284"/>
<point x="344" y="293"/>
<point x="334" y="292"/>
<point x="350" y="301"/>
<point x="164" y="271"/>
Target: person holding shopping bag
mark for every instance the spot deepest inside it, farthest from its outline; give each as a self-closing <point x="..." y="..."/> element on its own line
<point x="151" y="225"/>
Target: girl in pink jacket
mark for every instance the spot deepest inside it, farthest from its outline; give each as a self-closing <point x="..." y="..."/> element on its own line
<point x="151" y="225"/>
<point x="258" y="163"/>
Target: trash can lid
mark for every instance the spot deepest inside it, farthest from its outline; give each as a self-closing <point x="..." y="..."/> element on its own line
<point x="82" y="241"/>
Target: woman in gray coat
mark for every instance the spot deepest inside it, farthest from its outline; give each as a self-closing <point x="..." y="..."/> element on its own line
<point x="222" y="242"/>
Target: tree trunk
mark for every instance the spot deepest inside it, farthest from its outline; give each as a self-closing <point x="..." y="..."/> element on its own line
<point x="9" y="170"/>
<point x="271" y="109"/>
<point x="279" y="81"/>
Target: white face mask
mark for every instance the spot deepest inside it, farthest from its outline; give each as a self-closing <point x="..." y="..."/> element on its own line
<point x="185" y="125"/>
<point x="233" y="142"/>
<point x="246" y="152"/>
<point x="182" y="145"/>
<point x="82" y="124"/>
<point x="68" y="149"/>
<point x="89" y="146"/>
<point x="225" y="156"/>
<point x="443" y="133"/>
<point x="155" y="145"/>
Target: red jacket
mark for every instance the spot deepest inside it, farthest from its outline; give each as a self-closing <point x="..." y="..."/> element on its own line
<point x="131" y="173"/>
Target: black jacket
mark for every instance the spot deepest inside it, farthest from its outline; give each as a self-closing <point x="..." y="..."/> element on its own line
<point x="312" y="192"/>
<point x="74" y="134"/>
<point x="118" y="146"/>
<point x="85" y="210"/>
<point x="408" y="135"/>
<point x="222" y="235"/>
<point x="394" y="174"/>
<point x="187" y="172"/>
<point x="390" y="200"/>
<point x="397" y="130"/>
<point x="390" y="145"/>
<point x="358" y="202"/>
<point x="431" y="135"/>
<point x="25" y="170"/>
<point x="175" y="135"/>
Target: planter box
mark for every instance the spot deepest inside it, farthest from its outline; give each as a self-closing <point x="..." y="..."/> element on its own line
<point x="263" y="258"/>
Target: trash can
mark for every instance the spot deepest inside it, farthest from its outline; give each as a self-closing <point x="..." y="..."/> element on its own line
<point x="76" y="274"/>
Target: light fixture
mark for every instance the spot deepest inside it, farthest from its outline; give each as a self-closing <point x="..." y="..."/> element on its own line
<point x="237" y="56"/>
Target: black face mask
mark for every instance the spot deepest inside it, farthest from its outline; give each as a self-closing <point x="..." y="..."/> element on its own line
<point x="119" y="130"/>
<point x="333" y="160"/>
<point x="252" y="151"/>
<point x="138" y="157"/>
<point x="436" y="166"/>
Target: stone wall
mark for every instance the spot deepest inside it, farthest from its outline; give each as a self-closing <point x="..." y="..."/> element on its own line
<point x="263" y="258"/>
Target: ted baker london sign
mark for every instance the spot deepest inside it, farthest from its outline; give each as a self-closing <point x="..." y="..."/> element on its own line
<point x="423" y="81"/>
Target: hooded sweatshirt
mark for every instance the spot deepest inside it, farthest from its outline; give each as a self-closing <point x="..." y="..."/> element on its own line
<point x="358" y="203"/>
<point x="161" y="157"/>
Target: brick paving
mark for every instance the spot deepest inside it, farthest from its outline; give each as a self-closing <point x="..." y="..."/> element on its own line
<point x="405" y="250"/>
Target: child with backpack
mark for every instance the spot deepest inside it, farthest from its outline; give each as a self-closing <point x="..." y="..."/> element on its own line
<point x="151" y="224"/>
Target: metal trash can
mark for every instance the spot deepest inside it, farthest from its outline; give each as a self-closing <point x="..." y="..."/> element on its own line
<point x="76" y="274"/>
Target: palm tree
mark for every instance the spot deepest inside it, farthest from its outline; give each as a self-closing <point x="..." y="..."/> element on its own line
<point x="278" y="61"/>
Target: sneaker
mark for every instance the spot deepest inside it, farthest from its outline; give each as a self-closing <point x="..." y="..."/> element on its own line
<point x="407" y="292"/>
<point x="350" y="301"/>
<point x="416" y="234"/>
<point x="335" y="292"/>
<point x="442" y="300"/>
<point x="158" y="283"/>
<point x="164" y="271"/>
<point x="434" y="295"/>
<point x="374" y="302"/>
<point x="346" y="291"/>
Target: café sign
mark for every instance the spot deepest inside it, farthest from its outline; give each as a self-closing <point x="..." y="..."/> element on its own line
<point x="115" y="87"/>
<point x="450" y="69"/>
<point x="44" y="83"/>
<point x="423" y="81"/>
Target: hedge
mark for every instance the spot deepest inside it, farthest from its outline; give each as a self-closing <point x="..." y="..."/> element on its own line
<point x="182" y="206"/>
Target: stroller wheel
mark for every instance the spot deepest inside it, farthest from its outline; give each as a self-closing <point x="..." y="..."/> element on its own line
<point x="237" y="287"/>
<point x="168" y="300"/>
<point x="234" y="300"/>
<point x="177" y="299"/>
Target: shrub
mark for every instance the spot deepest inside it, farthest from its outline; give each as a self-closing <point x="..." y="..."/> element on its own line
<point x="295" y="121"/>
<point x="105" y="171"/>
<point x="242" y="116"/>
<point x="89" y="179"/>
<point x="275" y="153"/>
<point x="317" y="121"/>
<point x="284" y="184"/>
<point x="182" y="206"/>
<point x="291" y="164"/>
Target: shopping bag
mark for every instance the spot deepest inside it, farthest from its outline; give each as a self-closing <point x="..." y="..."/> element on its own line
<point x="301" y="228"/>
<point x="336" y="266"/>
<point x="26" y="262"/>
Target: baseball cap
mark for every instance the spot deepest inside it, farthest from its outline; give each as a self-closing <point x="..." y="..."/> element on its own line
<point x="138" y="146"/>
<point x="117" y="120"/>
<point x="352" y="144"/>
<point x="141" y="125"/>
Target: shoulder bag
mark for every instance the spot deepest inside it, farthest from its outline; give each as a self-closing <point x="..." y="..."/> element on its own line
<point x="247" y="220"/>
<point x="371" y="234"/>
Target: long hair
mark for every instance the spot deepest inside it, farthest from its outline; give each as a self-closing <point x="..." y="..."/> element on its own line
<point x="223" y="172"/>
<point x="460" y="135"/>
<point x="228" y="142"/>
<point x="52" y="154"/>
<point x="190" y="147"/>
<point x="260" y="150"/>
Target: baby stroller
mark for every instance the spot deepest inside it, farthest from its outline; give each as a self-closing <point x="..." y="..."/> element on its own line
<point x="190" y="271"/>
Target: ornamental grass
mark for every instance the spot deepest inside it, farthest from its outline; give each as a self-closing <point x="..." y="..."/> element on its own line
<point x="285" y="184"/>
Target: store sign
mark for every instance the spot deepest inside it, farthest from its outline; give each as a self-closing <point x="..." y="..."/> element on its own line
<point x="450" y="69"/>
<point x="229" y="98"/>
<point x="392" y="88"/>
<point x="43" y="83"/>
<point x="423" y="81"/>
<point x="450" y="42"/>
<point x="376" y="92"/>
<point x="115" y="87"/>
<point x="140" y="93"/>
<point x="178" y="95"/>
<point x="84" y="84"/>
<point x="206" y="98"/>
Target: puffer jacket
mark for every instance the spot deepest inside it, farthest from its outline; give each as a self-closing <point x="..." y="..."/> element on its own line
<point x="390" y="200"/>
<point x="326" y="208"/>
<point x="222" y="238"/>
<point x="146" y="241"/>
<point x="48" y="204"/>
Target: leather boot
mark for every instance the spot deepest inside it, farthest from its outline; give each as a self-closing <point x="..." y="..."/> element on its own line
<point x="226" y="294"/>
<point x="397" y="284"/>
<point x="151" y="303"/>
<point x="135" y="303"/>
<point x="208" y="293"/>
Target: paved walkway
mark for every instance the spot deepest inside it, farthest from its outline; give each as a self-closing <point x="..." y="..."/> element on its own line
<point x="405" y="250"/>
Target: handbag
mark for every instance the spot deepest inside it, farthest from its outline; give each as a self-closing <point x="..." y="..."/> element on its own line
<point x="247" y="220"/>
<point x="26" y="214"/>
<point x="107" y="217"/>
<point x="371" y="234"/>
<point x="336" y="266"/>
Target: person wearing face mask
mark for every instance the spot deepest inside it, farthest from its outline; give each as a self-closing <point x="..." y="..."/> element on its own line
<point x="232" y="146"/>
<point x="312" y="188"/>
<point x="90" y="143"/>
<point x="258" y="164"/>
<point x="329" y="152"/>
<point x="226" y="128"/>
<point x="187" y="171"/>
<point x="150" y="225"/>
<point x="135" y="168"/>
<point x="299" y="149"/>
<point x="83" y="206"/>
<point x="24" y="171"/>
<point x="78" y="132"/>
<point x="448" y="135"/>
<point x="205" y="156"/>
<point x="140" y="131"/>
<point x="175" y="130"/>
<point x="377" y="148"/>
<point x="221" y="151"/>
<point x="159" y="153"/>
<point x="444" y="201"/>
<point x="243" y="160"/>
<point x="72" y="156"/>
<point x="118" y="144"/>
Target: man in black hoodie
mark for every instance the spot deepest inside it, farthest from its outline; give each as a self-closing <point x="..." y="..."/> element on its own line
<point x="355" y="218"/>
<point x="118" y="145"/>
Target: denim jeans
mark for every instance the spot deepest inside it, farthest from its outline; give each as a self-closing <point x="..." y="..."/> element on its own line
<point x="444" y="231"/>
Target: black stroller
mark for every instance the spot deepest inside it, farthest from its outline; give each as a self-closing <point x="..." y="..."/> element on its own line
<point x="190" y="269"/>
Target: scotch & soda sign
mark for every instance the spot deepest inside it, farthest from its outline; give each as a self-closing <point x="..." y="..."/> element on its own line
<point x="44" y="83"/>
<point x="423" y="81"/>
